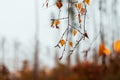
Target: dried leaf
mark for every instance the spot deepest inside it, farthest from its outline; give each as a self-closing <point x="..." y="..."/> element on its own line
<point x="62" y="42"/>
<point x="80" y="20"/>
<point x="106" y="51"/>
<point x="52" y="24"/>
<point x="116" y="46"/>
<point x="57" y="26"/>
<point x="87" y="2"/>
<point x="59" y="4"/>
<point x="101" y="49"/>
<point x="71" y="44"/>
<point x="74" y="32"/>
<point x="82" y="10"/>
<point x="86" y="35"/>
<point x="79" y="6"/>
<point x="57" y="22"/>
<point x="76" y="5"/>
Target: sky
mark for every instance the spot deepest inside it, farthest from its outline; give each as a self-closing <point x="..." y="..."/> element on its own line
<point x="17" y="23"/>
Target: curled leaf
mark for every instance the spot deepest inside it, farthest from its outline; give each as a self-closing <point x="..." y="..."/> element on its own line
<point x="62" y="42"/>
<point x="57" y="22"/>
<point x="59" y="4"/>
<point x="74" y="32"/>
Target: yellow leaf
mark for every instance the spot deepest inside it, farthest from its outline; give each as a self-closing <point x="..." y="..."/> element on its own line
<point x="87" y="2"/>
<point x="74" y="32"/>
<point x="101" y="49"/>
<point x="106" y="51"/>
<point x="79" y="6"/>
<point x="59" y="4"/>
<point x="116" y="46"/>
<point x="71" y="44"/>
<point x="62" y="42"/>
<point x="57" y="22"/>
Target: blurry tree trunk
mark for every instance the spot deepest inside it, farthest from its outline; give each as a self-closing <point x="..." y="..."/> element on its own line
<point x="69" y="11"/>
<point x="115" y="19"/>
<point x="3" y="50"/>
<point x="36" y="56"/>
<point x="16" y="46"/>
<point x="102" y="10"/>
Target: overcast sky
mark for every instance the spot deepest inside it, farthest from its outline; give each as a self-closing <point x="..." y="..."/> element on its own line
<point x="17" y="23"/>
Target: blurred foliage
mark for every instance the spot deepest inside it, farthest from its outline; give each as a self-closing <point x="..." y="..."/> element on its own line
<point x="80" y="71"/>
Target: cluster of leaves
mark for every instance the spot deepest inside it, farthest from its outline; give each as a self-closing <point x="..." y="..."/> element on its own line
<point x="80" y="17"/>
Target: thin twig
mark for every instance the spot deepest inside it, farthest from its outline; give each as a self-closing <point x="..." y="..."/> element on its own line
<point x="76" y="29"/>
<point x="59" y="13"/>
<point x="62" y="37"/>
<point x="84" y="17"/>
<point x="59" y="18"/>
<point x="71" y="51"/>
<point x="67" y="30"/>
<point x="65" y="44"/>
<point x="89" y="48"/>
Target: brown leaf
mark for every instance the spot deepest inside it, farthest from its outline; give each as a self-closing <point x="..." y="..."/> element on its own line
<point x="57" y="27"/>
<point x="86" y="35"/>
<point x="52" y="24"/>
<point x="62" y="42"/>
<point x="82" y="10"/>
<point x="59" y="4"/>
<point x="74" y="32"/>
<point x="71" y="44"/>
<point x="80" y="20"/>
